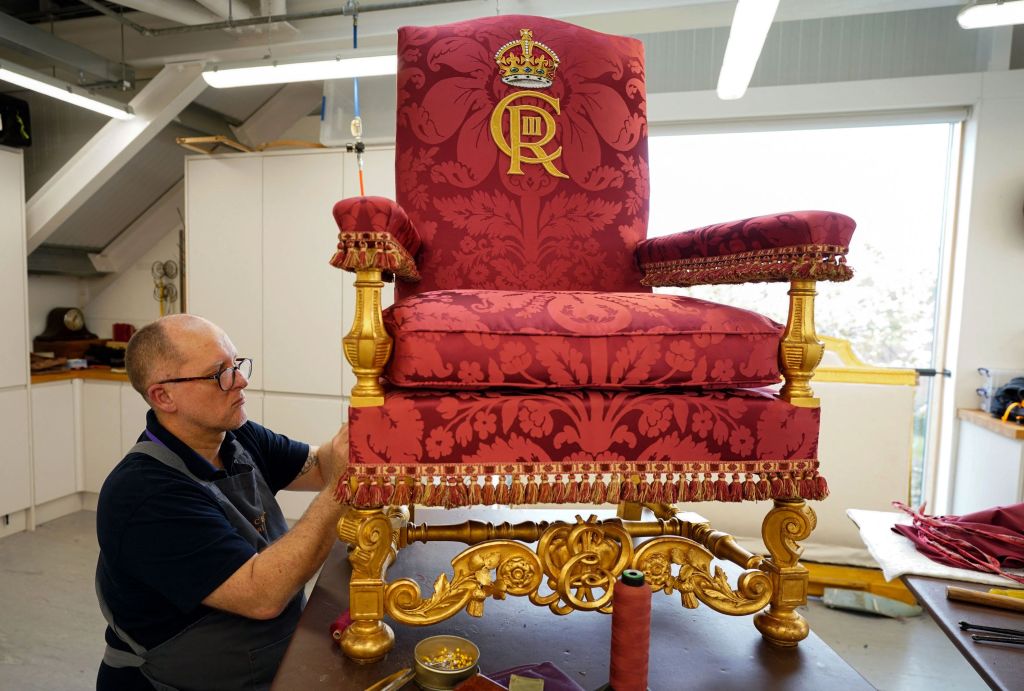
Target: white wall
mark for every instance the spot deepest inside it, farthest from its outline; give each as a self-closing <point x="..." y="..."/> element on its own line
<point x="986" y="327"/>
<point x="129" y="297"/>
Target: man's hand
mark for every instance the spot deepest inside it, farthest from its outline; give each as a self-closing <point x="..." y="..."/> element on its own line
<point x="334" y="463"/>
<point x="325" y="465"/>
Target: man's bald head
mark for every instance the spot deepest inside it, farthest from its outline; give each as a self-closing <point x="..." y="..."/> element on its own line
<point x="157" y="350"/>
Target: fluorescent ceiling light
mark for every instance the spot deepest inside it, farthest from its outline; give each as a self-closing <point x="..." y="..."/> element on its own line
<point x="750" y="26"/>
<point x="55" y="88"/>
<point x="225" y="77"/>
<point x="979" y="15"/>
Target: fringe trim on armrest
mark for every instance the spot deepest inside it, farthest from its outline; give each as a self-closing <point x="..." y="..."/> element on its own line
<point x="811" y="262"/>
<point x="452" y="491"/>
<point x="374" y="250"/>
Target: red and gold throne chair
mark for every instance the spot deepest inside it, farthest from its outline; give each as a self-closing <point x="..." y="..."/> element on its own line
<point x="526" y="360"/>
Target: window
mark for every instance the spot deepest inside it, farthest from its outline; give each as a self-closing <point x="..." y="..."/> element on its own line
<point x="895" y="180"/>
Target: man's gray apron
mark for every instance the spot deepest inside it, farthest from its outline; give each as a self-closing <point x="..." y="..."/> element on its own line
<point x="221" y="650"/>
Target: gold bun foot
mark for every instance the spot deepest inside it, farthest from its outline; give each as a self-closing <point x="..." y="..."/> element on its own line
<point x="365" y="642"/>
<point x="784" y="629"/>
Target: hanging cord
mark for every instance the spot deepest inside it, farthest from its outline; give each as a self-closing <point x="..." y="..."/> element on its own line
<point x="357" y="120"/>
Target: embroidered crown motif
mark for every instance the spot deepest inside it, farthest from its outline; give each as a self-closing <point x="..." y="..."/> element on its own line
<point x="526" y="63"/>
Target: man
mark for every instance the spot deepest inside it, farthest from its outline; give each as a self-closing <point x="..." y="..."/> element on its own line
<point x="198" y="579"/>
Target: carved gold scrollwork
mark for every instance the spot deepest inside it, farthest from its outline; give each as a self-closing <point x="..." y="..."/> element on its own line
<point x="372" y="534"/>
<point x="783" y="527"/>
<point x="582" y="561"/>
<point x="516" y="571"/>
<point x="695" y="579"/>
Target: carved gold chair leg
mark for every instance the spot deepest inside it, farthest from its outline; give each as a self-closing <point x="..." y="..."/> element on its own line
<point x="790" y="521"/>
<point x="373" y="535"/>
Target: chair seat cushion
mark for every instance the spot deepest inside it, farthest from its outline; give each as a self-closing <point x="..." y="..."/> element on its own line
<point x="477" y="339"/>
<point x="440" y="448"/>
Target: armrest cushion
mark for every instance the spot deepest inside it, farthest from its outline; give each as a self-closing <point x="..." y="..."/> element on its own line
<point x="781" y="247"/>
<point x="376" y="233"/>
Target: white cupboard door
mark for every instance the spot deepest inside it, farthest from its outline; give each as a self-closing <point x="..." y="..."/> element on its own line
<point x="302" y="316"/>
<point x="303" y="418"/>
<point x="224" y="248"/>
<point x="53" y="441"/>
<point x="15" y="485"/>
<point x="13" y="279"/>
<point x="379" y="181"/>
<point x="133" y="417"/>
<point x="101" y="424"/>
<point x="254" y="406"/>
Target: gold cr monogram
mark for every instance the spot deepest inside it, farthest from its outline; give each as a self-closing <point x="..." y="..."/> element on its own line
<point x="540" y="124"/>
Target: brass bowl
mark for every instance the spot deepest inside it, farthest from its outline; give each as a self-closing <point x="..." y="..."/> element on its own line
<point x="434" y="679"/>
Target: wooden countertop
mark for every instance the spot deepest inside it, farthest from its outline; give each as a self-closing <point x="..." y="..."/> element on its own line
<point x="1010" y="430"/>
<point x="101" y="373"/>
<point x="998" y="665"/>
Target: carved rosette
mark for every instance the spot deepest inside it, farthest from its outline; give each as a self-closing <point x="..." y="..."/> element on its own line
<point x="492" y="569"/>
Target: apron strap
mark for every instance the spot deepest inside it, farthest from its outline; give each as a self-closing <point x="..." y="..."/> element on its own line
<point x="118" y="631"/>
<point x="112" y="657"/>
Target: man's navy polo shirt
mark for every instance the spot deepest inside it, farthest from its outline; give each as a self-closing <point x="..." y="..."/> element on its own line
<point x="165" y="542"/>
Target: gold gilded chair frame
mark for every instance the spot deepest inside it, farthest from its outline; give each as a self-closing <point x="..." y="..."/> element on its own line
<point x="573" y="565"/>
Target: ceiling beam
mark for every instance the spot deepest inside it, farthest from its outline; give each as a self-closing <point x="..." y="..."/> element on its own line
<point x="283" y="110"/>
<point x="163" y="216"/>
<point x="110" y="149"/>
<point x="26" y="38"/>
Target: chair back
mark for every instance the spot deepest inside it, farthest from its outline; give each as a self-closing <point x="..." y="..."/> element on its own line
<point x="522" y="155"/>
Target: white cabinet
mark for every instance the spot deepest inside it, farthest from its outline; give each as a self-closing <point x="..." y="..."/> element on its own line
<point x="54" y="441"/>
<point x="15" y="459"/>
<point x="225" y="248"/>
<point x="989" y="463"/>
<point x="260" y="234"/>
<point x="302" y="307"/>
<point x="15" y="487"/>
<point x="13" y="277"/>
<point x="101" y="427"/>
<point x="254" y="405"/>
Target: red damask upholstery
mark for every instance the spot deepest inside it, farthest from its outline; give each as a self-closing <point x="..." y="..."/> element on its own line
<point x="781" y="247"/>
<point x="475" y="339"/>
<point x="485" y="228"/>
<point x="487" y="447"/>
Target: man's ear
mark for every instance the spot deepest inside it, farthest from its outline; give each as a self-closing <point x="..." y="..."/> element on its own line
<point x="161" y="399"/>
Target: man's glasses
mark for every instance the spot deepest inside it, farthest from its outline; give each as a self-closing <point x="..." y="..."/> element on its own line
<point x="225" y="378"/>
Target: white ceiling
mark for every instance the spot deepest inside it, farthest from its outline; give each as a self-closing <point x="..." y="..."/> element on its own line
<point x="331" y="35"/>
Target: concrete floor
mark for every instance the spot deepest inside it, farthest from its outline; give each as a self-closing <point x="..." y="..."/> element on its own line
<point x="51" y="631"/>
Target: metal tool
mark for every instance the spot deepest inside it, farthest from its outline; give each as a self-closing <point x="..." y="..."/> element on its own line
<point x="393" y="682"/>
